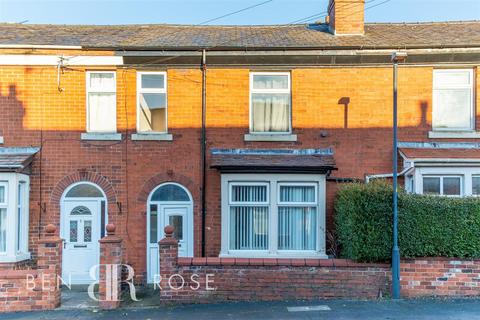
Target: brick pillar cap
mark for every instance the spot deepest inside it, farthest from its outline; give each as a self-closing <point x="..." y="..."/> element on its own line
<point x="169" y="239"/>
<point x="169" y="231"/>
<point x="110" y="229"/>
<point x="50" y="229"/>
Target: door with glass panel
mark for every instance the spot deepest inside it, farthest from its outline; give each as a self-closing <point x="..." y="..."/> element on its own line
<point x="169" y="204"/>
<point x="81" y="234"/>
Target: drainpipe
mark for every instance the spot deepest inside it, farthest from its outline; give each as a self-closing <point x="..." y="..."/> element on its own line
<point x="204" y="145"/>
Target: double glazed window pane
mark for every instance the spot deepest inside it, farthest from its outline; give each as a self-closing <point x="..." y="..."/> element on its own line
<point x="476" y="185"/>
<point x="297" y="225"/>
<point x="101" y="102"/>
<point x="152" y="104"/>
<point x="3" y="229"/>
<point x="431" y="185"/>
<point x="249" y="222"/>
<point x="248" y="228"/>
<point x="3" y="219"/>
<point x="297" y="228"/>
<point x="297" y="194"/>
<point x="271" y="112"/>
<point x="270" y="105"/>
<point x="249" y="193"/>
<point x="452" y="109"/>
<point x="452" y="99"/>
<point x="451" y="186"/>
<point x="270" y="82"/>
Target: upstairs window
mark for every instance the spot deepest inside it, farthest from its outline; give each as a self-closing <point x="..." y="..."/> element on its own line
<point x="270" y="102"/>
<point x="101" y="101"/>
<point x="152" y="102"/>
<point x="453" y="99"/>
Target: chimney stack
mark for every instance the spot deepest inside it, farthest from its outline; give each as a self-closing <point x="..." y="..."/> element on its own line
<point x="346" y="17"/>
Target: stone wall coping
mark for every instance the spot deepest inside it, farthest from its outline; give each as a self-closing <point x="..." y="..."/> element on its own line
<point x="17" y="274"/>
<point x="50" y="239"/>
<point x="110" y="239"/>
<point x="277" y="262"/>
<point x="168" y="241"/>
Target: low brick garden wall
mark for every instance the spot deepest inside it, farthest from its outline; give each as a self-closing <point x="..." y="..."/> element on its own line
<point x="35" y="287"/>
<point x="440" y="277"/>
<point x="186" y="280"/>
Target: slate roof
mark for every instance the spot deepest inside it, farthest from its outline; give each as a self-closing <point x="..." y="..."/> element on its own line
<point x="313" y="36"/>
<point x="244" y="160"/>
<point x="16" y="159"/>
<point x="440" y="153"/>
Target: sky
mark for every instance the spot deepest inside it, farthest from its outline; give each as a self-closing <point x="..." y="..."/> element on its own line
<point x="198" y="11"/>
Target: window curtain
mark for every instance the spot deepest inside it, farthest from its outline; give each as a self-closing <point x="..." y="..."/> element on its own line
<point x="102" y="112"/>
<point x="271" y="112"/>
<point x="101" y="103"/>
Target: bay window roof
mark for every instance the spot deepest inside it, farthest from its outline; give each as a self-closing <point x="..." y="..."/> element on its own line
<point x="273" y="160"/>
<point x="16" y="159"/>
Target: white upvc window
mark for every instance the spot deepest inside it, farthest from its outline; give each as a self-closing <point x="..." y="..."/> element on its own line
<point x="273" y="215"/>
<point x="101" y="102"/>
<point x="152" y="102"/>
<point x="14" y="217"/>
<point x="446" y="181"/>
<point x="453" y="96"/>
<point x="451" y="186"/>
<point x="270" y="103"/>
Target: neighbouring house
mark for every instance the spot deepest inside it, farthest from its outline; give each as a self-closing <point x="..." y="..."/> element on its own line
<point x="236" y="135"/>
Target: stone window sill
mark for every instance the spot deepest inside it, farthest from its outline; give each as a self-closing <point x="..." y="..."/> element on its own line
<point x="454" y="134"/>
<point x="152" y="137"/>
<point x="101" y="136"/>
<point x="16" y="258"/>
<point x="1" y="140"/>
<point x="271" y="137"/>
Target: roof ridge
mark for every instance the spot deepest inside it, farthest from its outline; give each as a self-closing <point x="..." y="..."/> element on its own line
<point x="424" y="22"/>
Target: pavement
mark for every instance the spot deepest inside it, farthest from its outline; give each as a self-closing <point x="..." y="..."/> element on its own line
<point x="462" y="309"/>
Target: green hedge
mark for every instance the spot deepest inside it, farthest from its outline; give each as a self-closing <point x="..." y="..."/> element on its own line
<point x="428" y="226"/>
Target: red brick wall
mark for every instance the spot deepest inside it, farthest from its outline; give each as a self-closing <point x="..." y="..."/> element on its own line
<point x="34" y="289"/>
<point x="37" y="114"/>
<point x="440" y="277"/>
<point x="184" y="280"/>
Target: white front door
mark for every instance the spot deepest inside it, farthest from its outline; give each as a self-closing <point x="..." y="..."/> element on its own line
<point x="177" y="217"/>
<point x="81" y="231"/>
<point x="181" y="218"/>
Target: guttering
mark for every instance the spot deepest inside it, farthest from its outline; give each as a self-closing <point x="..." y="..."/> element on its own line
<point x="405" y="171"/>
<point x="290" y="52"/>
<point x="36" y="46"/>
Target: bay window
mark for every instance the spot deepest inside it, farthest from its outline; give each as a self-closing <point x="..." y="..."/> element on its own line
<point x="273" y="215"/>
<point x="14" y="217"/>
<point x="453" y="100"/>
<point x="101" y="102"/>
<point x="270" y="102"/>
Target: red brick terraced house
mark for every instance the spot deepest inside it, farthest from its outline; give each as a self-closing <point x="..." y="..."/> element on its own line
<point x="238" y="136"/>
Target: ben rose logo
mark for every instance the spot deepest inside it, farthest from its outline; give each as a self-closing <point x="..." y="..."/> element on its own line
<point x="113" y="279"/>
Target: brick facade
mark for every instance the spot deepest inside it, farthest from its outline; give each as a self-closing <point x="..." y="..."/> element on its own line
<point x="359" y="132"/>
